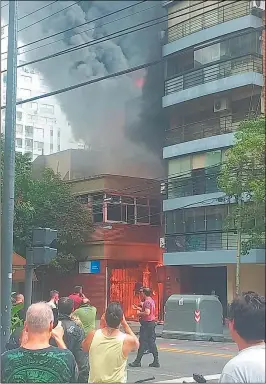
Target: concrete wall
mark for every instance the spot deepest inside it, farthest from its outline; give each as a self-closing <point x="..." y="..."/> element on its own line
<point x="252" y="278"/>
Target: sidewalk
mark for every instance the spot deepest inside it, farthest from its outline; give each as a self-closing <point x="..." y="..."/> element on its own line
<point x="135" y="326"/>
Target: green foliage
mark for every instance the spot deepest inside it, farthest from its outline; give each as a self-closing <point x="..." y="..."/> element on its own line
<point x="15" y="319"/>
<point x="47" y="202"/>
<point x="243" y="178"/>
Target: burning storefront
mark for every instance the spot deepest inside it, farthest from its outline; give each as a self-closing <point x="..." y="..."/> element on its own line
<point x="123" y="253"/>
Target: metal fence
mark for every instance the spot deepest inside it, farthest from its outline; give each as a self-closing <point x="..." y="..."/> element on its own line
<point x="208" y="73"/>
<point x="207" y="19"/>
<point x="201" y="241"/>
<point x="197" y="184"/>
<point x="206" y="128"/>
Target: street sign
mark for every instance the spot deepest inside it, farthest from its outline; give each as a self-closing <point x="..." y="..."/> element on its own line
<point x="92" y="267"/>
<point x="181" y="301"/>
<point x="197" y="316"/>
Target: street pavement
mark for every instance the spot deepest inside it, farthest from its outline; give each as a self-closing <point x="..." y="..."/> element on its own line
<point x="179" y="359"/>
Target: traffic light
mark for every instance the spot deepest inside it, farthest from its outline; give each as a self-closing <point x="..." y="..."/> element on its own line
<point x="44" y="245"/>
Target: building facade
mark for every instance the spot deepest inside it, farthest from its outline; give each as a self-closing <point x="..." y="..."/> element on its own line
<point x="123" y="252"/>
<point x="213" y="80"/>
<point x="41" y="126"/>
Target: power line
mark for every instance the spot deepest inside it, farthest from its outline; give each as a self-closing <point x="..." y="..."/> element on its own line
<point x="116" y="34"/>
<point x="93" y="81"/>
<point x="3" y="6"/>
<point x="80" y="25"/>
<point x="31" y="13"/>
<point x="47" y="17"/>
<point x="167" y="18"/>
<point x="87" y="30"/>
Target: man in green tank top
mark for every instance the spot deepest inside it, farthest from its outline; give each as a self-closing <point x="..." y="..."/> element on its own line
<point x="87" y="315"/>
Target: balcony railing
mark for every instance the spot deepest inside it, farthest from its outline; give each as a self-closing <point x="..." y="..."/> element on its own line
<point x="212" y="72"/>
<point x="208" y="19"/>
<point x="201" y="241"/>
<point x="203" y="181"/>
<point x="206" y="128"/>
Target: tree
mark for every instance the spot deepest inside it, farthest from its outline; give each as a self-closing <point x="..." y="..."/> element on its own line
<point x="242" y="178"/>
<point x="47" y="202"/>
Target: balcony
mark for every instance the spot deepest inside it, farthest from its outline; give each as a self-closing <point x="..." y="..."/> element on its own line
<point x="202" y="129"/>
<point x="208" y="19"/>
<point x="204" y="180"/>
<point x="212" y="72"/>
<point x="201" y="241"/>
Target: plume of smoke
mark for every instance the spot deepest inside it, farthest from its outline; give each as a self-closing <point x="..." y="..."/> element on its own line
<point x="97" y="112"/>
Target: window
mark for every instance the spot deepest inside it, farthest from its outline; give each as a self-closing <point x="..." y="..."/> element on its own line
<point x="215" y="217"/>
<point x="26" y="79"/>
<point x="38" y="145"/>
<point x="155" y="213"/>
<point x="34" y="106"/>
<point x="32" y="118"/>
<point x="19" y="143"/>
<point x="114" y="212"/>
<point x="24" y="93"/>
<point x="28" y="131"/>
<point x="42" y="120"/>
<point x="29" y="144"/>
<point x="19" y="116"/>
<point x="207" y="55"/>
<point x="39" y="132"/>
<point x="46" y="108"/>
<point x="143" y="214"/>
<point x="50" y="120"/>
<point x="19" y="129"/>
<point x="180" y="165"/>
<point x="97" y="208"/>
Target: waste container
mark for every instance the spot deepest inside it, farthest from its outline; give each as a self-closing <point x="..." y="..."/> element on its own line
<point x="193" y="317"/>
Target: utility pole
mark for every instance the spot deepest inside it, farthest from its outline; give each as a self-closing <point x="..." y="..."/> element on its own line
<point x="28" y="278"/>
<point x="238" y="244"/>
<point x="9" y="176"/>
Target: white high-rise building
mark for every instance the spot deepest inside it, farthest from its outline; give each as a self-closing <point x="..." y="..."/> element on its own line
<point x="41" y="126"/>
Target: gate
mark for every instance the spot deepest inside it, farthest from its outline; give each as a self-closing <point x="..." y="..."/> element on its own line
<point x="122" y="288"/>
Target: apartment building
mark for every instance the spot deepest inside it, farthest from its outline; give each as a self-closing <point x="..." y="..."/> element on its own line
<point x="213" y="80"/>
<point x="41" y="126"/>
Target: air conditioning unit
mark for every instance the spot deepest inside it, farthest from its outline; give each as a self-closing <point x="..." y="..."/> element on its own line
<point x="258" y="4"/>
<point x="221" y="105"/>
<point x="162" y="242"/>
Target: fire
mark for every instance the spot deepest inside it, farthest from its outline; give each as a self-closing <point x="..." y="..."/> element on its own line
<point x="139" y="82"/>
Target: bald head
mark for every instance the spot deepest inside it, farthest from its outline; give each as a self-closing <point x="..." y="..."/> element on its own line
<point x="39" y="318"/>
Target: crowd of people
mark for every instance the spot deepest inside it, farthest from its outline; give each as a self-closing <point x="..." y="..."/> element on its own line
<point x="59" y="342"/>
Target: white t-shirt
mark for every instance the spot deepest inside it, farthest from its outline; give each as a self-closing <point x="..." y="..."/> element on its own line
<point x="52" y="304"/>
<point x="247" y="367"/>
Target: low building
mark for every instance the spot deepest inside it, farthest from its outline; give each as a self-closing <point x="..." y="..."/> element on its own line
<point x="123" y="252"/>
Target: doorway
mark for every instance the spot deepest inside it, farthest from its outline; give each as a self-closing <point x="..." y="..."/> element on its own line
<point x="208" y="280"/>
